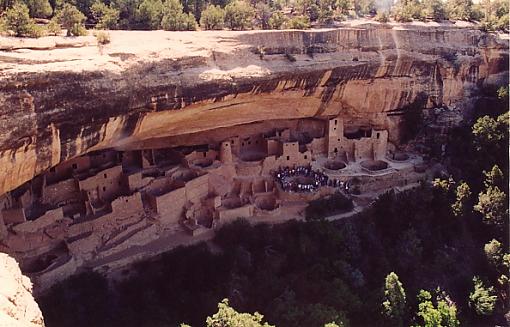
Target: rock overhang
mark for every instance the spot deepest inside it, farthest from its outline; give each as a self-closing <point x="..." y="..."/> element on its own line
<point x="61" y="102"/>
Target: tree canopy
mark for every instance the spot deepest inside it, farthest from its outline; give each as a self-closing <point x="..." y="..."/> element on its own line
<point x="439" y="311"/>
<point x="228" y="317"/>
<point x="482" y="299"/>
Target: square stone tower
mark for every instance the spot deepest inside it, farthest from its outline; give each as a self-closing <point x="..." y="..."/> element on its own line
<point x="335" y="136"/>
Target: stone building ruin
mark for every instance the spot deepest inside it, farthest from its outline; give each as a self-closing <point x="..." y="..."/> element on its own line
<point x="92" y="209"/>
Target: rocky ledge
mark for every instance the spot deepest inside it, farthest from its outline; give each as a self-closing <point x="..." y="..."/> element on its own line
<point x="17" y="306"/>
<point x="60" y="99"/>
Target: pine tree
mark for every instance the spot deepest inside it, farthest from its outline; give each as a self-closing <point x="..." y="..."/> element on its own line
<point x="72" y="19"/>
<point x="394" y="304"/>
<point x="18" y="19"/>
<point x="443" y="314"/>
<point x="494" y="253"/>
<point x="482" y="299"/>
<point x="212" y="18"/>
<point x="492" y="204"/>
<point x="228" y="317"/>
<point x="239" y="15"/>
<point x="462" y="195"/>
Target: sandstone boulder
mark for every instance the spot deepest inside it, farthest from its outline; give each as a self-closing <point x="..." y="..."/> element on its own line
<point x="17" y="306"/>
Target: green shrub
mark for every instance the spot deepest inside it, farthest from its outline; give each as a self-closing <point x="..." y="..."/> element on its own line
<point x="239" y="15"/>
<point x="382" y="17"/>
<point x="299" y="23"/>
<point x="36" y="31"/>
<point x="53" y="27"/>
<point x="277" y="20"/>
<point x="102" y="37"/>
<point x="406" y="11"/>
<point x="17" y="19"/>
<point x="460" y="9"/>
<point x="262" y="14"/>
<point x="486" y="26"/>
<point x="212" y="18"/>
<point x="174" y="19"/>
<point x="39" y="8"/>
<point x="149" y="14"/>
<point x="344" y="6"/>
<point x="78" y="30"/>
<point x="482" y="299"/>
<point x="325" y="14"/>
<point x="106" y="17"/>
<point x="434" y="9"/>
<point x="502" y="23"/>
<point x="190" y="22"/>
<point x="72" y="20"/>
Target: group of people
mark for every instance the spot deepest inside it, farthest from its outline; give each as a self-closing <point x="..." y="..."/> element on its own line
<point x="285" y="176"/>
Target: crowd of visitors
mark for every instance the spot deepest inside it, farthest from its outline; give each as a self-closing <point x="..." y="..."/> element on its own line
<point x="290" y="181"/>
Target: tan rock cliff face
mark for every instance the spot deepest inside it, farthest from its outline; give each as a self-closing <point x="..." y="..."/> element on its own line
<point x="148" y="86"/>
<point x="17" y="306"/>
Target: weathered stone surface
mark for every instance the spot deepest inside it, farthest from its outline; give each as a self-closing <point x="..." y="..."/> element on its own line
<point x="17" y="306"/>
<point x="58" y="103"/>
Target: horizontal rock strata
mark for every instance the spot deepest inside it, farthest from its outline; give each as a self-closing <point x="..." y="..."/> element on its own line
<point x="58" y="103"/>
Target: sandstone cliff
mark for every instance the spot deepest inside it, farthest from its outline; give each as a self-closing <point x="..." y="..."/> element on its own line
<point x="57" y="101"/>
<point x="17" y="306"/>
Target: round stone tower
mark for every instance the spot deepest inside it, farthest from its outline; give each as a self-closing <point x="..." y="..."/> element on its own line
<point x="226" y="152"/>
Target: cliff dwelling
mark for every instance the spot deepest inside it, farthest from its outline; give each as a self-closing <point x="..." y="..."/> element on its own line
<point x="116" y="155"/>
<point x="89" y="210"/>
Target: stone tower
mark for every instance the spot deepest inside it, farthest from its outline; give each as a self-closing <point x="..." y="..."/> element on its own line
<point x="335" y="136"/>
<point x="226" y="152"/>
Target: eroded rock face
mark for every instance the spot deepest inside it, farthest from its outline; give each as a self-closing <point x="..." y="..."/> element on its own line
<point x="17" y="306"/>
<point x="146" y="86"/>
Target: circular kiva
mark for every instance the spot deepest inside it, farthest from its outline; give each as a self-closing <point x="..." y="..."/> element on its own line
<point x="374" y="165"/>
<point x="334" y="165"/>
<point x="202" y="162"/>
